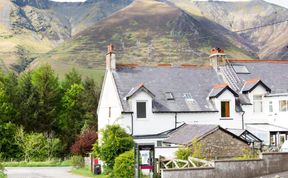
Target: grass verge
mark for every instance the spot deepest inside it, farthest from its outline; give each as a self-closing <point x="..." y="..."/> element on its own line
<point x="52" y="163"/>
<point x="86" y="173"/>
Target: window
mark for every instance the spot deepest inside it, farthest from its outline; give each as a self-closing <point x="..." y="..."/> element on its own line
<point x="169" y="96"/>
<point x="240" y="69"/>
<point x="283" y="105"/>
<point x="257" y="103"/>
<point x="159" y="143"/>
<point x="141" y="109"/>
<point x="225" y="109"/>
<point x="109" y="114"/>
<point x="270" y="106"/>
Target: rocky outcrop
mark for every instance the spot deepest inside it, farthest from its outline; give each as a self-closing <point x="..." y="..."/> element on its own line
<point x="41" y="4"/>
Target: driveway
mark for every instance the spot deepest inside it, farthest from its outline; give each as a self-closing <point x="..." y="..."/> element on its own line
<point x="40" y="172"/>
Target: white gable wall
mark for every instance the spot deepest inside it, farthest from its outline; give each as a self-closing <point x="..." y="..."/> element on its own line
<point x="109" y="99"/>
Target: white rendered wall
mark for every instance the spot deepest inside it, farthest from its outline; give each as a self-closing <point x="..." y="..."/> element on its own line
<point x="108" y="99"/>
<point x="254" y="117"/>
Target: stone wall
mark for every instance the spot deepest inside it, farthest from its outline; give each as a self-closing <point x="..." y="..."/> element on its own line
<point x="268" y="164"/>
<point x="220" y="144"/>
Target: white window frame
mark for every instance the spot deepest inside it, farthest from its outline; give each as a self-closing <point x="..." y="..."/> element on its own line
<point x="270" y="106"/>
<point x="256" y="101"/>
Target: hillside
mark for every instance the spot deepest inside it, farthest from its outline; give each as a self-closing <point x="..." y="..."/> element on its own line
<point x="148" y="32"/>
<point x="30" y="28"/>
<point x="269" y="42"/>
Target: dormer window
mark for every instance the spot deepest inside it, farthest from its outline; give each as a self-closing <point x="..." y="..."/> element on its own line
<point x="141" y="109"/>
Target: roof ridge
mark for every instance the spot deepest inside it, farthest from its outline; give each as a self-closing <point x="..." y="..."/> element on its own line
<point x="276" y="61"/>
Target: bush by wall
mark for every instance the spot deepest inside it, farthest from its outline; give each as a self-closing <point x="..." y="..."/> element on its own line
<point x="124" y="165"/>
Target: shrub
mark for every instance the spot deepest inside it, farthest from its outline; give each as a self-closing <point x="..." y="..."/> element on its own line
<point x="77" y="161"/>
<point x="8" y="146"/>
<point x="183" y="153"/>
<point x="2" y="174"/>
<point x="36" y="146"/>
<point x="124" y="165"/>
<point x="114" y="142"/>
<point x="84" y="142"/>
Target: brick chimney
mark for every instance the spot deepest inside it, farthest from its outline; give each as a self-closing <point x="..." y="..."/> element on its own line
<point x="217" y="57"/>
<point x="110" y="58"/>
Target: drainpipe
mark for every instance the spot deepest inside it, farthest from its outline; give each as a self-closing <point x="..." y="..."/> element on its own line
<point x="132" y="127"/>
<point x="243" y="112"/>
<point x="175" y="119"/>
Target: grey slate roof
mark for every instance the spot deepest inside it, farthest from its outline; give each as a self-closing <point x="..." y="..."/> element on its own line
<point x="188" y="132"/>
<point x="138" y="88"/>
<point x="218" y="91"/>
<point x="198" y="81"/>
<point x="249" y="86"/>
<point x="273" y="74"/>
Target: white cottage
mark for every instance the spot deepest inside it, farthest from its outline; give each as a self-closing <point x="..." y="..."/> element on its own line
<point x="151" y="102"/>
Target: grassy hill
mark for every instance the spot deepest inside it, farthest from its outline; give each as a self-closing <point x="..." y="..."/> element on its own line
<point x="269" y="41"/>
<point x="147" y="32"/>
<point x="31" y="28"/>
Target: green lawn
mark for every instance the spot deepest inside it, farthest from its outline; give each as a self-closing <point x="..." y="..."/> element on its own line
<point x="87" y="173"/>
<point x="52" y="163"/>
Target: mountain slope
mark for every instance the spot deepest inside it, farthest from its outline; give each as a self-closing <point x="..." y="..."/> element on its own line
<point x="29" y="28"/>
<point x="269" y="42"/>
<point x="147" y="32"/>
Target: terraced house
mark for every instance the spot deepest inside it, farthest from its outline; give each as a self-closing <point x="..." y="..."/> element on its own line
<point x="152" y="102"/>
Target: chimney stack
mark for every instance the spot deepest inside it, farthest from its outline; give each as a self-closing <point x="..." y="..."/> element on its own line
<point x="110" y="58"/>
<point x="217" y="57"/>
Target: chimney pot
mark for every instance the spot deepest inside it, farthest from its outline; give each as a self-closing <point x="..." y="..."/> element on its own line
<point x="110" y="58"/>
<point x="110" y="48"/>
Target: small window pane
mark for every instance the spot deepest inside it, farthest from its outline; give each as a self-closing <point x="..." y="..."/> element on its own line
<point x="225" y="109"/>
<point x="169" y="96"/>
<point x="283" y="105"/>
<point x="257" y="103"/>
<point x="270" y="106"/>
<point x="141" y="109"/>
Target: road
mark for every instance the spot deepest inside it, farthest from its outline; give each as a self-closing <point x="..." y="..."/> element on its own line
<point x="278" y="175"/>
<point x="40" y="172"/>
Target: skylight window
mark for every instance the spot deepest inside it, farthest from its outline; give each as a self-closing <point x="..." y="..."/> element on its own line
<point x="241" y="69"/>
<point x="188" y="96"/>
<point x="169" y="96"/>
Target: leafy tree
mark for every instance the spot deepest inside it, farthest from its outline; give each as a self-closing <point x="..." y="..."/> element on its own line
<point x="8" y="145"/>
<point x="48" y="90"/>
<point x="114" y="142"/>
<point x="91" y="98"/>
<point x="124" y="165"/>
<point x="84" y="142"/>
<point x="8" y="98"/>
<point x="29" y="102"/>
<point x="72" y="77"/>
<point x="72" y="116"/>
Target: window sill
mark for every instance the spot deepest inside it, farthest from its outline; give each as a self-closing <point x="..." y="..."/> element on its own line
<point x="226" y="118"/>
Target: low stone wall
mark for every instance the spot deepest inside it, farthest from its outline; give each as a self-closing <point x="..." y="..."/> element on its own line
<point x="268" y="163"/>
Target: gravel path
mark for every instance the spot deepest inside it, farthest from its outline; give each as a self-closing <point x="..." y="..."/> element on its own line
<point x="40" y="172"/>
